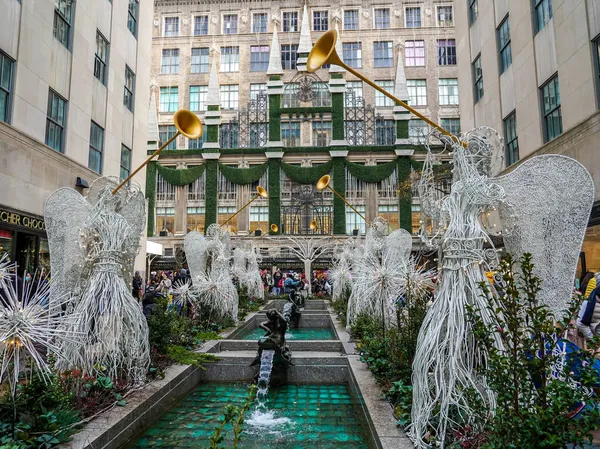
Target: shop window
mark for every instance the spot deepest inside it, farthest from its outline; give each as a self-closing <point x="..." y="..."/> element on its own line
<point x="390" y="213"/>
<point x="355" y="221"/>
<point x="165" y="221"/>
<point x="196" y="217"/>
<point x="259" y="218"/>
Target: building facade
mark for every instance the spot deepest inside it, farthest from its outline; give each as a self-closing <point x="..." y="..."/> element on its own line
<point x="70" y="74"/>
<point x="241" y="67"/>
<point x="530" y="69"/>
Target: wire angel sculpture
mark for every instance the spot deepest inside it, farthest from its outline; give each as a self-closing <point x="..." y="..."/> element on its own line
<point x="93" y="242"/>
<point x="208" y="260"/>
<point x="447" y="353"/>
<point x="340" y="273"/>
<point x="27" y="328"/>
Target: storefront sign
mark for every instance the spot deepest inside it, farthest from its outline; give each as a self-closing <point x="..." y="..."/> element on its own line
<point x="23" y="221"/>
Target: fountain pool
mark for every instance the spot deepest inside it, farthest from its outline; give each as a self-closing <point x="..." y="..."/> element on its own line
<point x="302" y="333"/>
<point x="296" y="416"/>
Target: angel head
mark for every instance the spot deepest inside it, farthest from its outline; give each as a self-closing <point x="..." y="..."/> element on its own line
<point x="484" y="151"/>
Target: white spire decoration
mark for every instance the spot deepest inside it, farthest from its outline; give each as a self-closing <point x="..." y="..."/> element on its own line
<point x="213" y="97"/>
<point x="153" y="117"/>
<point x="340" y="51"/>
<point x="275" y="67"/>
<point x="400" y="88"/>
<point x="305" y="45"/>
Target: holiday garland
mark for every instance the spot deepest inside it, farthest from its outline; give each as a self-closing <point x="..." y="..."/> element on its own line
<point x="275" y="194"/>
<point x="339" y="185"/>
<point x="212" y="166"/>
<point x="150" y="195"/>
<point x="404" y="201"/>
<point x="306" y="175"/>
<point x="181" y="176"/>
<point x="372" y="173"/>
<point x="243" y="176"/>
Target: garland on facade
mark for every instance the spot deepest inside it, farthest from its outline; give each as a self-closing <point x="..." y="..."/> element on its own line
<point x="371" y="173"/>
<point x="404" y="201"/>
<point x="243" y="176"/>
<point x="275" y="193"/>
<point x="180" y="176"/>
<point x="306" y="175"/>
<point x="339" y="207"/>
<point x="212" y="166"/>
<point x="151" y="195"/>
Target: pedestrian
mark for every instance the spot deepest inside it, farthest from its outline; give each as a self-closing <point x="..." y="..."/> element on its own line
<point x="588" y="321"/>
<point x="136" y="286"/>
<point x="164" y="287"/>
<point x="276" y="283"/>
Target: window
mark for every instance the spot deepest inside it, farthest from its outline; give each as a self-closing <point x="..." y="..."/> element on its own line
<point x="413" y="17"/>
<point x="259" y="218"/>
<point x="414" y="53"/>
<point x="551" y="109"/>
<point x="478" y="77"/>
<point x="125" y="162"/>
<point x="448" y="91"/>
<point x="224" y="214"/>
<point x="200" y="25"/>
<point x="321" y="95"/>
<point x="96" y="148"/>
<point x="384" y="55"/>
<point x="418" y="131"/>
<point x="170" y="61"/>
<point x="228" y="137"/>
<point x="196" y="144"/>
<point x="380" y="99"/>
<point x="511" y="139"/>
<point x="290" y="134"/>
<point x="101" y="58"/>
<point x="199" y="63"/>
<point x="473" y="10"/>
<point x="452" y="125"/>
<point x="289" y="55"/>
<point x="129" y="88"/>
<point x="354" y="221"/>
<point x="6" y="76"/>
<point x="56" y="121"/>
<point x="259" y="133"/>
<point x="321" y="134"/>
<point x="596" y="50"/>
<point x="351" y="19"/>
<point x="229" y="96"/>
<point x="290" y="21"/>
<point x="385" y="132"/>
<point x="165" y="220"/>
<point x="504" y="45"/>
<point x="446" y="49"/>
<point x="198" y="98"/>
<point x="259" y="22"/>
<point x="382" y="18"/>
<point x="195" y="219"/>
<point x="390" y="213"/>
<point x="230" y="59"/>
<point x="356" y="87"/>
<point x="171" y="26"/>
<point x="352" y="54"/>
<point x="63" y="14"/>
<point x="169" y="99"/>
<point x="445" y="16"/>
<point x="290" y="98"/>
<point x="259" y="58"/>
<point x="417" y="92"/>
<point x="256" y="89"/>
<point x="230" y="24"/>
<point x="320" y="20"/>
<point x="165" y="132"/>
<point x="543" y="13"/>
<point x="132" y="18"/>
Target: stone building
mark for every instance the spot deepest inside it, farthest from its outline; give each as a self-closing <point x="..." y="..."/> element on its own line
<point x="241" y="66"/>
<point x="70" y="74"/>
<point x="531" y="71"/>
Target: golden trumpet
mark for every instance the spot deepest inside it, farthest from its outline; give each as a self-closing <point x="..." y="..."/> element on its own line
<point x="324" y="183"/>
<point x="274" y="228"/>
<point x="260" y="192"/>
<point x="324" y="52"/>
<point x="313" y="227"/>
<point x="187" y="123"/>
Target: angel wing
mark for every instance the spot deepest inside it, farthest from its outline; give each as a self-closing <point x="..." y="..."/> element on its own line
<point x="63" y="225"/>
<point x="399" y="241"/>
<point x="549" y="201"/>
<point x="196" y="253"/>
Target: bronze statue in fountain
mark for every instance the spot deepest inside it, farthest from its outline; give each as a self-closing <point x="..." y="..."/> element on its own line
<point x="275" y="327"/>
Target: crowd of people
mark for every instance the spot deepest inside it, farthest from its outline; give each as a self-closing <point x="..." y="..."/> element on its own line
<point x="278" y="283"/>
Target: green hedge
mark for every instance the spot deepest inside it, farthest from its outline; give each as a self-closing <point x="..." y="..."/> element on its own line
<point x="339" y="207"/>
<point x="180" y="177"/>
<point x="211" y="192"/>
<point x="151" y="195"/>
<point x="337" y="116"/>
<point x="404" y="201"/>
<point x="306" y="175"/>
<point x="274" y="118"/>
<point x="243" y="176"/>
<point x="373" y="173"/>
<point x="275" y="194"/>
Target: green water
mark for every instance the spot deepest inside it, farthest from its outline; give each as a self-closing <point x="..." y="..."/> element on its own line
<point x="320" y="416"/>
<point x="302" y="333"/>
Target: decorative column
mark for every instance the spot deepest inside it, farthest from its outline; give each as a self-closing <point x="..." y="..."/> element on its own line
<point x="274" y="190"/>
<point x="371" y="205"/>
<point x="180" y="205"/>
<point x="152" y="146"/>
<point x="243" y="196"/>
<point x="404" y="198"/>
<point x="339" y="184"/>
<point x="212" y="166"/>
